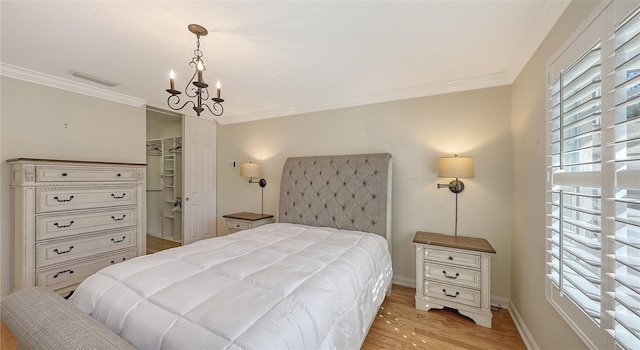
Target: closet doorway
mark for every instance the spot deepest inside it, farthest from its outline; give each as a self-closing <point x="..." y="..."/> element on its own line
<point x="164" y="180"/>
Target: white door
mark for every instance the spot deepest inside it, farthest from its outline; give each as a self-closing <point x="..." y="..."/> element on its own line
<point x="199" y="176"/>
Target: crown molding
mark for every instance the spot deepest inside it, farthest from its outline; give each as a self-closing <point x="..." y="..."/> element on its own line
<point x="418" y="91"/>
<point x="541" y="27"/>
<point x="35" y="77"/>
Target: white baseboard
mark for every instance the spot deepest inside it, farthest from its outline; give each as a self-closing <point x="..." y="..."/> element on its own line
<point x="500" y="302"/>
<point x="404" y="281"/>
<point x="522" y="328"/>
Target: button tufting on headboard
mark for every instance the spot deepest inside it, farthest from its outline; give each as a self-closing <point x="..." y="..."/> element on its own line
<point x="344" y="192"/>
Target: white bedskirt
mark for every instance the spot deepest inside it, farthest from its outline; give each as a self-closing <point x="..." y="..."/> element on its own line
<point x="278" y="286"/>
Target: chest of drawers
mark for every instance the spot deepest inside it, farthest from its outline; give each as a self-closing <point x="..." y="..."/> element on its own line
<point x="454" y="272"/>
<point x="71" y="219"/>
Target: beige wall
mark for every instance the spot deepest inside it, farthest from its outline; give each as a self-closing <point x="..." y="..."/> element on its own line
<point x="416" y="132"/>
<point x="42" y="122"/>
<point x="528" y="118"/>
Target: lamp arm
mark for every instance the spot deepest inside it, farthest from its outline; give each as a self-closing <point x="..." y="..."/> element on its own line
<point x="455" y="186"/>
<point x="261" y="182"/>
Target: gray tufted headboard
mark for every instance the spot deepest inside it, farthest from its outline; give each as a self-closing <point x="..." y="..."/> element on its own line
<point x="351" y="192"/>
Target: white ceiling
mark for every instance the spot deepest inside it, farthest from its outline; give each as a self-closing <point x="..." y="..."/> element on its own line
<point x="274" y="58"/>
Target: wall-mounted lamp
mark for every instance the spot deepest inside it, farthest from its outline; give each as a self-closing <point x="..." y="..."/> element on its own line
<point x="252" y="170"/>
<point x="455" y="167"/>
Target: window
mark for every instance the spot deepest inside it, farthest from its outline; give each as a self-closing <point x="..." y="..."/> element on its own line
<point x="593" y="187"/>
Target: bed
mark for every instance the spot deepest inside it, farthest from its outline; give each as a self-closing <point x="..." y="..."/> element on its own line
<point x="314" y="280"/>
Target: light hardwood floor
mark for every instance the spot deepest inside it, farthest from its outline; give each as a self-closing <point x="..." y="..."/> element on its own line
<point x="156" y="244"/>
<point x="400" y="326"/>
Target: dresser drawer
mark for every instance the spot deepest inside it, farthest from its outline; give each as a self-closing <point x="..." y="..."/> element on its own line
<point x="59" y="251"/>
<point x="60" y="173"/>
<point x="59" y="199"/>
<point x="453" y="275"/>
<point x="68" y="224"/>
<point x="74" y="273"/>
<point x="452" y="257"/>
<point x="452" y="293"/>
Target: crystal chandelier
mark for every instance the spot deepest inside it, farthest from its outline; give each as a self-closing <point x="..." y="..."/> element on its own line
<point x="197" y="89"/>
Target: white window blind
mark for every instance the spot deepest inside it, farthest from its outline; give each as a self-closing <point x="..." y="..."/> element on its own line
<point x="626" y="144"/>
<point x="593" y="189"/>
<point x="575" y="194"/>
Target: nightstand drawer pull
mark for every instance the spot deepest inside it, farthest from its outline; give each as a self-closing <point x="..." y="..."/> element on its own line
<point x="118" y="241"/>
<point x="118" y="197"/>
<point x="61" y="272"/>
<point x="450" y="295"/>
<point x="63" y="200"/>
<point x="63" y="226"/>
<point x="62" y="252"/>
<point x="452" y="277"/>
<point x="450" y="258"/>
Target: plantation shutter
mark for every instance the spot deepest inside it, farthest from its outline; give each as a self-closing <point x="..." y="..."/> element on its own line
<point x="626" y="144"/>
<point x="575" y="201"/>
<point x="593" y="184"/>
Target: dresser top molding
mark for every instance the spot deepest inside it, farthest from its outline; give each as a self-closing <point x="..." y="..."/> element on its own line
<point x="459" y="242"/>
<point x="57" y="161"/>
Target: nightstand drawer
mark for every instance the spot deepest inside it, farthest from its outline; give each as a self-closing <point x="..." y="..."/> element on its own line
<point x="55" y="173"/>
<point x="238" y="225"/>
<point x="453" y="275"/>
<point x="59" y="251"/>
<point x="452" y="293"/>
<point x="452" y="257"/>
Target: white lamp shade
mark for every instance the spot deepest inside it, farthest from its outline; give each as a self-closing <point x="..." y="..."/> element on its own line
<point x="456" y="167"/>
<point x="251" y="170"/>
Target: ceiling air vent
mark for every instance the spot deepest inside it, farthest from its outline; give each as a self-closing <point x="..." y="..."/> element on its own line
<point x="93" y="79"/>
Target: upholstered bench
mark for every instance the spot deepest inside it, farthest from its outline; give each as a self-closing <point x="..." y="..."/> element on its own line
<point x="41" y="319"/>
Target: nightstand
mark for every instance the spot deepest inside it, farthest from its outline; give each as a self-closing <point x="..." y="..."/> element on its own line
<point x="242" y="221"/>
<point x="454" y="272"/>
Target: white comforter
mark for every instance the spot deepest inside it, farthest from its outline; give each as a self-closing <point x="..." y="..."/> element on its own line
<point x="278" y="286"/>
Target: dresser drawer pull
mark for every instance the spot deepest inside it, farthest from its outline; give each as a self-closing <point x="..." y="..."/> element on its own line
<point x="64" y="174"/>
<point x="450" y="295"/>
<point x="62" y="252"/>
<point x="113" y="261"/>
<point x="119" y="175"/>
<point x="452" y="277"/>
<point x="122" y="240"/>
<point x="63" y="226"/>
<point x="118" y="197"/>
<point x="116" y="219"/>
<point x="450" y="258"/>
<point x="63" y="200"/>
<point x="61" y="272"/>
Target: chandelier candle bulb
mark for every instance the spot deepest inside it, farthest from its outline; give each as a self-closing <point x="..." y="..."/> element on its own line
<point x="200" y="68"/>
<point x="218" y="87"/>
<point x="172" y="77"/>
